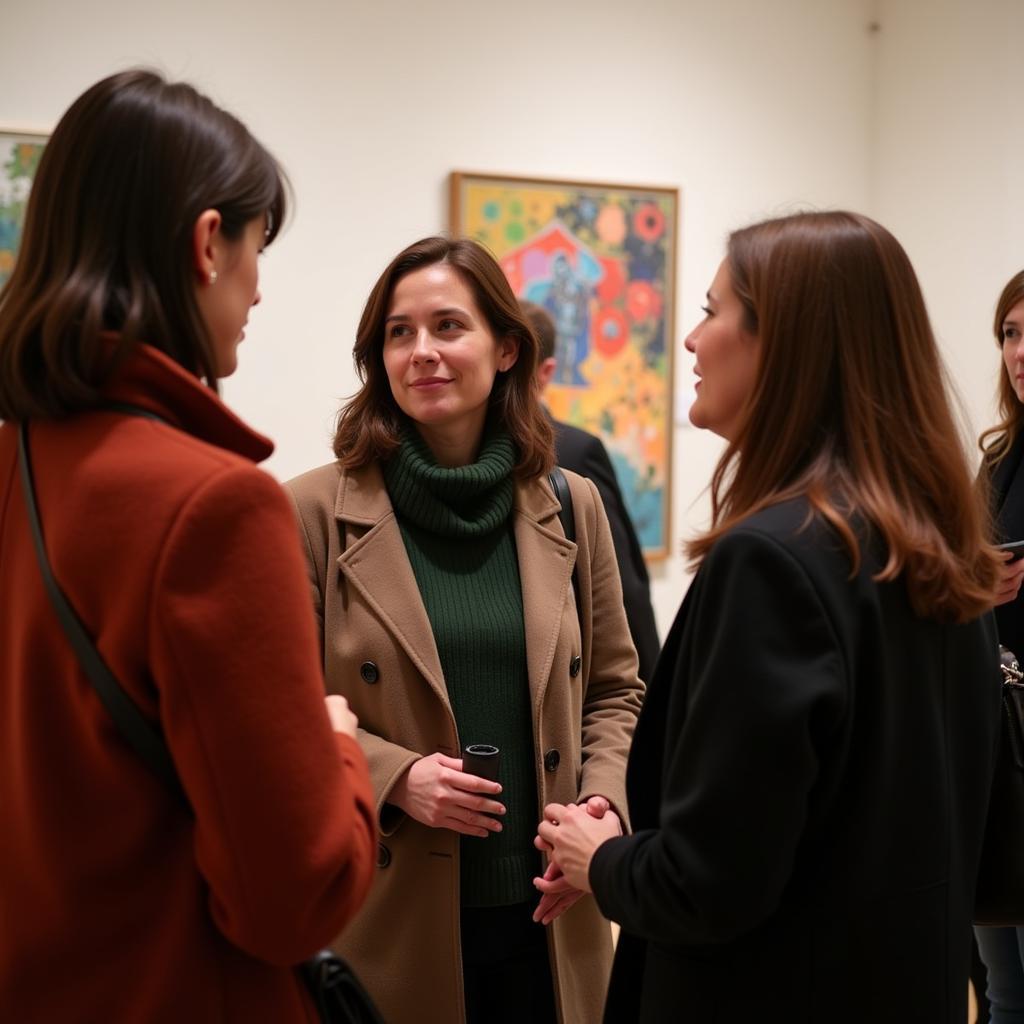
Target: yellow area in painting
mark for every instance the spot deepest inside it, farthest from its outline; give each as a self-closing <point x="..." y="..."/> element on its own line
<point x="626" y="401"/>
<point x="503" y="218"/>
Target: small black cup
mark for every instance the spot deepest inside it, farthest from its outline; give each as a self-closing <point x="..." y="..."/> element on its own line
<point x="481" y="759"/>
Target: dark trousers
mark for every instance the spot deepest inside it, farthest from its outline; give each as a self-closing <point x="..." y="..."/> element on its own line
<point x="505" y="966"/>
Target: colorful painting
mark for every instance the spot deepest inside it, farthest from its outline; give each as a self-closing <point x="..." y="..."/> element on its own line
<point x="602" y="260"/>
<point x="19" y="158"/>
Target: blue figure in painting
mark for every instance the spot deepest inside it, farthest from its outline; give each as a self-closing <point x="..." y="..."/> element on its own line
<point x="568" y="301"/>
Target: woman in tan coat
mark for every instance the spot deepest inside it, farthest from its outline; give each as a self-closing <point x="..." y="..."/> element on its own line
<point x="444" y="586"/>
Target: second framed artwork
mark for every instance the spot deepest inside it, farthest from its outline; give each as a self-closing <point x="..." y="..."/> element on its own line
<point x="602" y="260"/>
<point x="19" y="157"/>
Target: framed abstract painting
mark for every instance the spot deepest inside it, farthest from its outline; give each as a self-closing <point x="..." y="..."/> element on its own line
<point x="602" y="260"/>
<point x="19" y="157"/>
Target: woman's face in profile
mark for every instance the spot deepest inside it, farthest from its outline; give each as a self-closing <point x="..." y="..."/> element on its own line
<point x="727" y="358"/>
<point x="1013" y="348"/>
<point x="226" y="303"/>
<point x="440" y="354"/>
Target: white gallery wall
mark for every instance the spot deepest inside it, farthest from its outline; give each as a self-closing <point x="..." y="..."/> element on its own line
<point x="750" y="107"/>
<point x="948" y="169"/>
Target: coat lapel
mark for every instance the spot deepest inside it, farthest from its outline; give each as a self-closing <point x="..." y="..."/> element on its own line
<point x="377" y="566"/>
<point x="546" y="561"/>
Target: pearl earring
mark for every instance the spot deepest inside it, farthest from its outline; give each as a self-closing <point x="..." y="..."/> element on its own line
<point x="213" y="277"/>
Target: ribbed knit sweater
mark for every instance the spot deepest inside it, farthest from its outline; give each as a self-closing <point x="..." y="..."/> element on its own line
<point x="457" y="530"/>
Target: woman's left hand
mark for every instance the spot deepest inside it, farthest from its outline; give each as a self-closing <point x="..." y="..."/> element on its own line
<point x="573" y="834"/>
<point x="558" y="894"/>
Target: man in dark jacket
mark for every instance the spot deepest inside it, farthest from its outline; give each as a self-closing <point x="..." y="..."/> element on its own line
<point x="584" y="453"/>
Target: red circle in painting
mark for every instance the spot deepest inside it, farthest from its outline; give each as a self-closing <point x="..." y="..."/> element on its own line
<point x="649" y="222"/>
<point x="611" y="331"/>
<point x="643" y="301"/>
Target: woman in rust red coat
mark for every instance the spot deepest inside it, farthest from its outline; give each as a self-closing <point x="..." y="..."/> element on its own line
<point x="122" y="902"/>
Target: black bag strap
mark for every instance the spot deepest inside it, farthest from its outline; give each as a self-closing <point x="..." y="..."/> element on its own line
<point x="143" y="737"/>
<point x="133" y="410"/>
<point x="565" y="516"/>
<point x="561" y="488"/>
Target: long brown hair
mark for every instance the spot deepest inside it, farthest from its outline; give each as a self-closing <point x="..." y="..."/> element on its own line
<point x="850" y="408"/>
<point x="998" y="440"/>
<point x="369" y="426"/>
<point x="106" y="245"/>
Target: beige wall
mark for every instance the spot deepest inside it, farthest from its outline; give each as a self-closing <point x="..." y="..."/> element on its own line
<point x="947" y="172"/>
<point x="752" y="107"/>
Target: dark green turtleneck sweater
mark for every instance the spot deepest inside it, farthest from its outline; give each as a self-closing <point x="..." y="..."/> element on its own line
<point x="458" y="533"/>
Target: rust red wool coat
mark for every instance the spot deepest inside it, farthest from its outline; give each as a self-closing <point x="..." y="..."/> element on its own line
<point x="180" y="556"/>
<point x="379" y="651"/>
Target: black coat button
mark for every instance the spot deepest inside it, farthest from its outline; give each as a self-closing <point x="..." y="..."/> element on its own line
<point x="383" y="856"/>
<point x="575" y="665"/>
<point x="369" y="672"/>
<point x="551" y="760"/>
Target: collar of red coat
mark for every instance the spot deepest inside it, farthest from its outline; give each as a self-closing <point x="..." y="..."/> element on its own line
<point x="148" y="378"/>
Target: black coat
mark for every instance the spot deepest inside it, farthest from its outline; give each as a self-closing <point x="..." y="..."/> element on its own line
<point x="1008" y="513"/>
<point x="808" y="785"/>
<point x="584" y="453"/>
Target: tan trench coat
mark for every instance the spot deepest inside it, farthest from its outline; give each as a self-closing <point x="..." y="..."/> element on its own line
<point x="379" y="652"/>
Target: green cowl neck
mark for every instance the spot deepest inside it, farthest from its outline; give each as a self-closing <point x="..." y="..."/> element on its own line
<point x="463" y="501"/>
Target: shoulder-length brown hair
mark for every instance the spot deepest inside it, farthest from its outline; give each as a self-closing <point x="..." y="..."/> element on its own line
<point x="369" y="426"/>
<point x="850" y="408"/>
<point x="998" y="440"/>
<point x="107" y="241"/>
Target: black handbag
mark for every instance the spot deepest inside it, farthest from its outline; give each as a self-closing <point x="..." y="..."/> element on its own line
<point x="999" y="895"/>
<point x="337" y="993"/>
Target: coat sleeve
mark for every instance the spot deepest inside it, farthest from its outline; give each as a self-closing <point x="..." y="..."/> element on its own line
<point x="614" y="691"/>
<point x="636" y="589"/>
<point x="284" y="825"/>
<point x="758" y="691"/>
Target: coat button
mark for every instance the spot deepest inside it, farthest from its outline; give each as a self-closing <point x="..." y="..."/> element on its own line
<point x="575" y="665"/>
<point x="369" y="672"/>
<point x="551" y="759"/>
<point x="383" y="856"/>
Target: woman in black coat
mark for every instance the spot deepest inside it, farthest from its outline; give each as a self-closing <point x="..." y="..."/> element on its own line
<point x="1002" y="949"/>
<point x="810" y="772"/>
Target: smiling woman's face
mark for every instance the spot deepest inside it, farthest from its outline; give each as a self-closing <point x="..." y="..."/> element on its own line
<point x="1013" y="348"/>
<point x="727" y="357"/>
<point x="441" y="356"/>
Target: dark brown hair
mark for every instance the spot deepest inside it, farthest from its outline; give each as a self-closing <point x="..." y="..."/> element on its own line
<point x="543" y="326"/>
<point x="106" y="245"/>
<point x="997" y="441"/>
<point x="369" y="426"/>
<point x="850" y="408"/>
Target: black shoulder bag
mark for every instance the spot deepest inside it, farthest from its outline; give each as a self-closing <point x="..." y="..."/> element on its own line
<point x="337" y="992"/>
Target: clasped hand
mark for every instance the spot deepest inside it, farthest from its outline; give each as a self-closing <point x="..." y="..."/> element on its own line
<point x="566" y="832"/>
